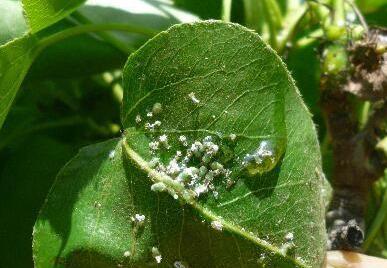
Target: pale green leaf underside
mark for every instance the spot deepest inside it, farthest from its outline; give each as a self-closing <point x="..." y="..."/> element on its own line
<point x="244" y="89"/>
<point x="12" y="21"/>
<point x="43" y="13"/>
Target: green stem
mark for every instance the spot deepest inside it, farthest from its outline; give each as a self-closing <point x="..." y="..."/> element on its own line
<point x="377" y="223"/>
<point x="78" y="30"/>
<point x="365" y="110"/>
<point x="319" y="10"/>
<point x="273" y="18"/>
<point x="226" y="10"/>
<point x="292" y="20"/>
<point x="125" y="48"/>
<point x="254" y="16"/>
<point x="310" y="38"/>
<point x="325" y="145"/>
<point x="338" y="13"/>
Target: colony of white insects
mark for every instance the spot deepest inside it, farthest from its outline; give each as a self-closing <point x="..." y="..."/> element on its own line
<point x="183" y="166"/>
<point x="197" y="165"/>
<point x="138" y="219"/>
<point x="217" y="225"/>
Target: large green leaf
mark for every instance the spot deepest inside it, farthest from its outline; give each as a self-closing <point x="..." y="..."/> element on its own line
<point x="98" y="195"/>
<point x="240" y="84"/>
<point x="211" y="79"/>
<point x="43" y="13"/>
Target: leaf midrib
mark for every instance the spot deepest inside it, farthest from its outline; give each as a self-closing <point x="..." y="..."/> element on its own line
<point x="155" y="177"/>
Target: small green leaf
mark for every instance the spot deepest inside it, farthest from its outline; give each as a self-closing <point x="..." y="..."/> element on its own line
<point x="198" y="80"/>
<point x="16" y="58"/>
<point x="43" y="13"/>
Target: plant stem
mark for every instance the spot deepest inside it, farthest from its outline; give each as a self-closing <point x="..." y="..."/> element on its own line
<point x="125" y="48"/>
<point x="226" y="10"/>
<point x="338" y="13"/>
<point x="318" y="9"/>
<point x="365" y="110"/>
<point x="77" y="30"/>
<point x="377" y="223"/>
<point x="273" y="18"/>
<point x="292" y="20"/>
<point x="310" y="38"/>
<point x="355" y="164"/>
<point x="254" y="16"/>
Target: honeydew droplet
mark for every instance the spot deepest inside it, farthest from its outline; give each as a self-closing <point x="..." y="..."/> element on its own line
<point x="263" y="159"/>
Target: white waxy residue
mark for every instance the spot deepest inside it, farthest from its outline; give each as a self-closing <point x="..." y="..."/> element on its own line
<point x="112" y="153"/>
<point x="193" y="98"/>
<point x="217" y="225"/>
<point x="156" y="254"/>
